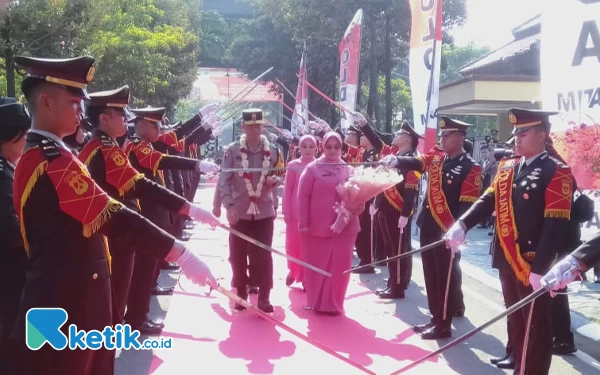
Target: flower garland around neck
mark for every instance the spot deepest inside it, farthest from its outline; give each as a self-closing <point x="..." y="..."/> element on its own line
<point x="266" y="163"/>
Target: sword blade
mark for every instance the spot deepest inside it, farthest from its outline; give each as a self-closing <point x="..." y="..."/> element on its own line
<point x="269" y="248"/>
<point x="399" y="256"/>
<point x="467" y="335"/>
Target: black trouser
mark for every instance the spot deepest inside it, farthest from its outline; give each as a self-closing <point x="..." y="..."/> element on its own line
<point x="388" y="222"/>
<point x="49" y="361"/>
<point x="506" y="282"/>
<point x="435" y="269"/>
<point x="8" y="317"/>
<point x="363" y="239"/>
<point x="379" y="242"/>
<point x="122" y="262"/>
<point x="539" y="348"/>
<point x="140" y="293"/>
<point x="245" y="257"/>
<point x="561" y="318"/>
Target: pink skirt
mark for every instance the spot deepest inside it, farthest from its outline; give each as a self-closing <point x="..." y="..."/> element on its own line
<point x="293" y="248"/>
<point x="334" y="255"/>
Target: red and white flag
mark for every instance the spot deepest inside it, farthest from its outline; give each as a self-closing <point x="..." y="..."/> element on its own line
<point x="425" y="59"/>
<point x="349" y="49"/>
<point x="300" y="115"/>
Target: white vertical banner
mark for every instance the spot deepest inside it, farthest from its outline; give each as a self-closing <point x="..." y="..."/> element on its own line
<point x="424" y="65"/>
<point x="300" y="114"/>
<point x="349" y="49"/>
<point x="570" y="74"/>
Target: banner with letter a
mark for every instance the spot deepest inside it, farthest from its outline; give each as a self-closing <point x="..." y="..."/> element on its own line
<point x="300" y="116"/>
<point x="570" y="74"/>
<point x="349" y="49"/>
<point x="425" y="59"/>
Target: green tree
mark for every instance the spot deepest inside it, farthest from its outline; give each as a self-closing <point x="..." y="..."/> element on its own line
<point x="39" y="28"/>
<point x="321" y="25"/>
<point x="454" y="58"/>
<point x="133" y="45"/>
<point x="401" y="101"/>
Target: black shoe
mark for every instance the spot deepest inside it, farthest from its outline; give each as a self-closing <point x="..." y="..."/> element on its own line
<point x="385" y="290"/>
<point x="436" y="333"/>
<point x="459" y="313"/>
<point x="422" y="327"/>
<point x="490" y="233"/>
<point x="252" y="289"/>
<point x="265" y="306"/>
<point x="147" y="328"/>
<point x="508" y="363"/>
<point x="160" y="291"/>
<point x="169" y="266"/>
<point x="493" y="361"/>
<point x="563" y="348"/>
<point x="392" y="294"/>
<point x="364" y="270"/>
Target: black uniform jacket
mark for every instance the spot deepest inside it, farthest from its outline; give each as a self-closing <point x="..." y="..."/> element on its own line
<point x="14" y="259"/>
<point x="461" y="181"/>
<point x="540" y="233"/>
<point x="64" y="216"/>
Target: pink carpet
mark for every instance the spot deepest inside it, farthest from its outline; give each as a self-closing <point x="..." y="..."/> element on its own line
<point x="210" y="338"/>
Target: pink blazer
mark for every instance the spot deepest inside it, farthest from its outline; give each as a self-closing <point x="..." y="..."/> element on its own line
<point x="317" y="196"/>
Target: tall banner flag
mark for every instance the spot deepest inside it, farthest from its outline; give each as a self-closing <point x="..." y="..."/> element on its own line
<point x="349" y="49"/>
<point x="570" y="66"/>
<point x="301" y="108"/>
<point x="424" y="66"/>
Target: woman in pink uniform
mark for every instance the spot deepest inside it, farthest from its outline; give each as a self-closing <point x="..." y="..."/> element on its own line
<point x="308" y="147"/>
<point x="322" y="247"/>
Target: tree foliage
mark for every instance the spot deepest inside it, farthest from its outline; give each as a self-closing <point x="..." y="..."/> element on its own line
<point x="277" y="36"/>
<point x="454" y="58"/>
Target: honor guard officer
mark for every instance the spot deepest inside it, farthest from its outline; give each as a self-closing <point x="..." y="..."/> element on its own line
<point x="64" y="215"/>
<point x="532" y="196"/>
<point x="146" y="160"/>
<point x="454" y="181"/>
<point x="395" y="208"/>
<point x="14" y="124"/>
<point x="248" y="199"/>
<point x="111" y="170"/>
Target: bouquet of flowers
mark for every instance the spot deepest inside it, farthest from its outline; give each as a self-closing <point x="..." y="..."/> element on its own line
<point x="364" y="184"/>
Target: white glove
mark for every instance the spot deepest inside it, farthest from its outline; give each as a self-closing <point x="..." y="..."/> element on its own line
<point x="402" y="221"/>
<point x="195" y="269"/>
<point x="455" y="237"/>
<point x="359" y="119"/>
<point x="563" y="272"/>
<point x="201" y="215"/>
<point x="372" y="210"/>
<point x="209" y="109"/>
<point x="389" y="161"/>
<point x="211" y="121"/>
<point x="207" y="167"/>
<point x="535" y="280"/>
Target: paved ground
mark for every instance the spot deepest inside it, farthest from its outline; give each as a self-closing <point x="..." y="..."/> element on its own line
<point x="374" y="334"/>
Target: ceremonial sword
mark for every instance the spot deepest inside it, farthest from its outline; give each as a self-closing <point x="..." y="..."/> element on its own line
<point x="275" y="169"/>
<point x="399" y="256"/>
<point x="268" y="248"/>
<point x="529" y="299"/>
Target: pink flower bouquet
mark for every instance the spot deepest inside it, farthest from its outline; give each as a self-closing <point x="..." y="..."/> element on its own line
<point x="364" y="184"/>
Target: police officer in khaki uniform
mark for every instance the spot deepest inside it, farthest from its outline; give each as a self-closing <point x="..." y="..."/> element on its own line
<point x="248" y="199"/>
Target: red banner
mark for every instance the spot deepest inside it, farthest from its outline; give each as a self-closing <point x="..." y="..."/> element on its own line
<point x="349" y="49"/>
